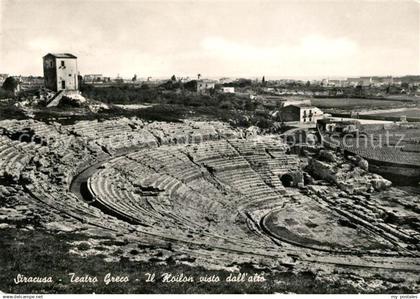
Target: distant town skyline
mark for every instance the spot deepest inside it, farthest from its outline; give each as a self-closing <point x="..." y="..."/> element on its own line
<point x="277" y="39"/>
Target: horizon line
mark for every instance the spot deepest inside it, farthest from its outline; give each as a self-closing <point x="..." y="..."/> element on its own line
<point x="267" y="77"/>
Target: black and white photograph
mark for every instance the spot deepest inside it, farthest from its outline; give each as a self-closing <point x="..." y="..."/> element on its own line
<point x="210" y="147"/>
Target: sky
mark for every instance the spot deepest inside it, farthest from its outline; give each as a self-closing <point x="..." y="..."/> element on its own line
<point x="217" y="38"/>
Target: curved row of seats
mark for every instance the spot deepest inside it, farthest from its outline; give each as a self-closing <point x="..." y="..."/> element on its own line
<point x="163" y="180"/>
<point x="156" y="210"/>
<point x="65" y="202"/>
<point x="13" y="156"/>
<point x="184" y="211"/>
<point x="166" y="187"/>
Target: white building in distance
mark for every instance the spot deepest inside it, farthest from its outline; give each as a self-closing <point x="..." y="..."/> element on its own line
<point x="228" y="89"/>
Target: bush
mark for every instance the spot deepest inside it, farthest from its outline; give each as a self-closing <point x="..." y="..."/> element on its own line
<point x="263" y="122"/>
<point x="226" y="105"/>
<point x="11" y="112"/>
<point x="83" y="246"/>
<point x="10" y="84"/>
<point x="4" y="94"/>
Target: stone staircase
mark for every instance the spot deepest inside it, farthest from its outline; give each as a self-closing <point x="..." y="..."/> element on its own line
<point x="56" y="99"/>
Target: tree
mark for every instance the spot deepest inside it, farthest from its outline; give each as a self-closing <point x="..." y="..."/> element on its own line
<point x="241" y="82"/>
<point x="191" y="85"/>
<point x="10" y="84"/>
<point x="359" y="90"/>
<point x="134" y="78"/>
<point x="198" y="76"/>
<point x="173" y="78"/>
<point x="263" y="80"/>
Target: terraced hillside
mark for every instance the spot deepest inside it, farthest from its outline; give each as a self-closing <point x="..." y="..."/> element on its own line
<point x="203" y="190"/>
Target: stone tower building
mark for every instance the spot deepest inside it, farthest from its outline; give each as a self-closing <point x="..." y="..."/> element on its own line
<point x="60" y="71"/>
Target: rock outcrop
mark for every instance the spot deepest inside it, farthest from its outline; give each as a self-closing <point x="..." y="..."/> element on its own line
<point x="352" y="178"/>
